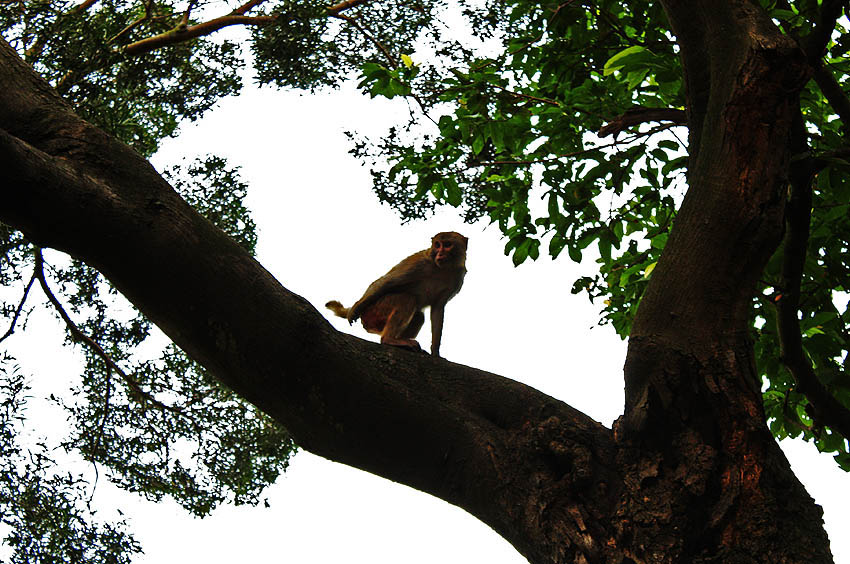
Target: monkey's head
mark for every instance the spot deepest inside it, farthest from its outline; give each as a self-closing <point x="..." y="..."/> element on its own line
<point x="448" y="247"/>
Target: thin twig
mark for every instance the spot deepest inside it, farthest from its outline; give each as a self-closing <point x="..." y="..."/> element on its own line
<point x="527" y="96"/>
<point x="369" y="36"/>
<point x="132" y="25"/>
<point x="639" y="115"/>
<point x="97" y="442"/>
<point x="557" y="158"/>
<point x="18" y="311"/>
<point x="184" y="22"/>
<point x="381" y="47"/>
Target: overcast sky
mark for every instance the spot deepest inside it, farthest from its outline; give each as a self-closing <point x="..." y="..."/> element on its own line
<point x="324" y="235"/>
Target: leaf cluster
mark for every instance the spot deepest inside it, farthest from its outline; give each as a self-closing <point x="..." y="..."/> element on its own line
<point x="140" y="100"/>
<point x="43" y="506"/>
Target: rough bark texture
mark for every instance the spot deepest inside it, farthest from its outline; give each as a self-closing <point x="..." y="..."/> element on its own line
<point x="711" y="485"/>
<point x="690" y="473"/>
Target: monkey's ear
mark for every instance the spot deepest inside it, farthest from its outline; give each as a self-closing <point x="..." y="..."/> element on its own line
<point x="465" y="241"/>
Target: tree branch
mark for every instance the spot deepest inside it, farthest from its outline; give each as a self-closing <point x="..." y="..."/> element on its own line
<point x="512" y="456"/>
<point x="526" y="96"/>
<point x="181" y="34"/>
<point x="827" y="410"/>
<point x="638" y="115"/>
<point x="78" y="335"/>
<point x="347" y="5"/>
<point x="19" y="309"/>
<point x="83" y="6"/>
<point x="814" y="44"/>
<point x="184" y="32"/>
<point x="557" y="158"/>
<point x="132" y="25"/>
<point x="833" y="92"/>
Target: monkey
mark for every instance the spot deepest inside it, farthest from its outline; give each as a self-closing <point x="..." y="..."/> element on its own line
<point x="392" y="305"/>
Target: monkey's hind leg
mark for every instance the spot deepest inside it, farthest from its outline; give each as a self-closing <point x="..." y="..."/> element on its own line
<point x="403" y="324"/>
<point x="414" y="326"/>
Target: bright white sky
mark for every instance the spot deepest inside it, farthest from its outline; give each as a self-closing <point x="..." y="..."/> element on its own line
<point x="323" y="235"/>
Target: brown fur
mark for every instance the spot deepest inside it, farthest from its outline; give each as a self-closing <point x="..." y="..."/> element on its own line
<point x="392" y="305"/>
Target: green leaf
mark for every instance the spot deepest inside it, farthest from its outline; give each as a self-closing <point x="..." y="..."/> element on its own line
<point x="454" y="194"/>
<point x="477" y="143"/>
<point x="620" y="59"/>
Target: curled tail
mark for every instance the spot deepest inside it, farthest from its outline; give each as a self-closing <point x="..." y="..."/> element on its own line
<point x="337" y="308"/>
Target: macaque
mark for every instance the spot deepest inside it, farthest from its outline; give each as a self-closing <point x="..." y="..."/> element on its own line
<point x="392" y="305"/>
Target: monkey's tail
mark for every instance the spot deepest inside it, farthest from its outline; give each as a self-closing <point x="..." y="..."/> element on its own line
<point x="337" y="308"/>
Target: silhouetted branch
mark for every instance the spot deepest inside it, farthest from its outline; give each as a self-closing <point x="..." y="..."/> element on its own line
<point x="237" y="16"/>
<point x="833" y="92"/>
<point x="826" y="409"/>
<point x="638" y="115"/>
<point x="20" y="308"/>
<point x="78" y="335"/>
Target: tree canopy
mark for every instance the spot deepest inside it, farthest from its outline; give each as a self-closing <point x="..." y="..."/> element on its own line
<point x="578" y="126"/>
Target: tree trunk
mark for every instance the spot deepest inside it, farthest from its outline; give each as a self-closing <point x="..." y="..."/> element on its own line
<point x="709" y="483"/>
<point x="690" y="473"/>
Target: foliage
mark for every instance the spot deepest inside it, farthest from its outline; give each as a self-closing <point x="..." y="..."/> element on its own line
<point x="218" y="194"/>
<point x="43" y="506"/>
<point x="561" y="123"/>
<point x="304" y="48"/>
<point x="155" y="420"/>
<point x="140" y="100"/>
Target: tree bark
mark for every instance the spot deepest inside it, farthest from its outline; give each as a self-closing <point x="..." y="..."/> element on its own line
<point x="690" y="473"/>
<point x="710" y="484"/>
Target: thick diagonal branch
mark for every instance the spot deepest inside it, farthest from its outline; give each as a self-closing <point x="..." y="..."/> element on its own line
<point x="814" y="44"/>
<point x="497" y="448"/>
<point x="825" y="17"/>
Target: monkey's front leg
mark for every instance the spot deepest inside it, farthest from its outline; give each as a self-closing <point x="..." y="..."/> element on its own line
<point x="437" y="313"/>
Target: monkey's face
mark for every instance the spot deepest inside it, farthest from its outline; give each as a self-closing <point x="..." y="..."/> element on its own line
<point x="441" y="251"/>
<point x="445" y="248"/>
